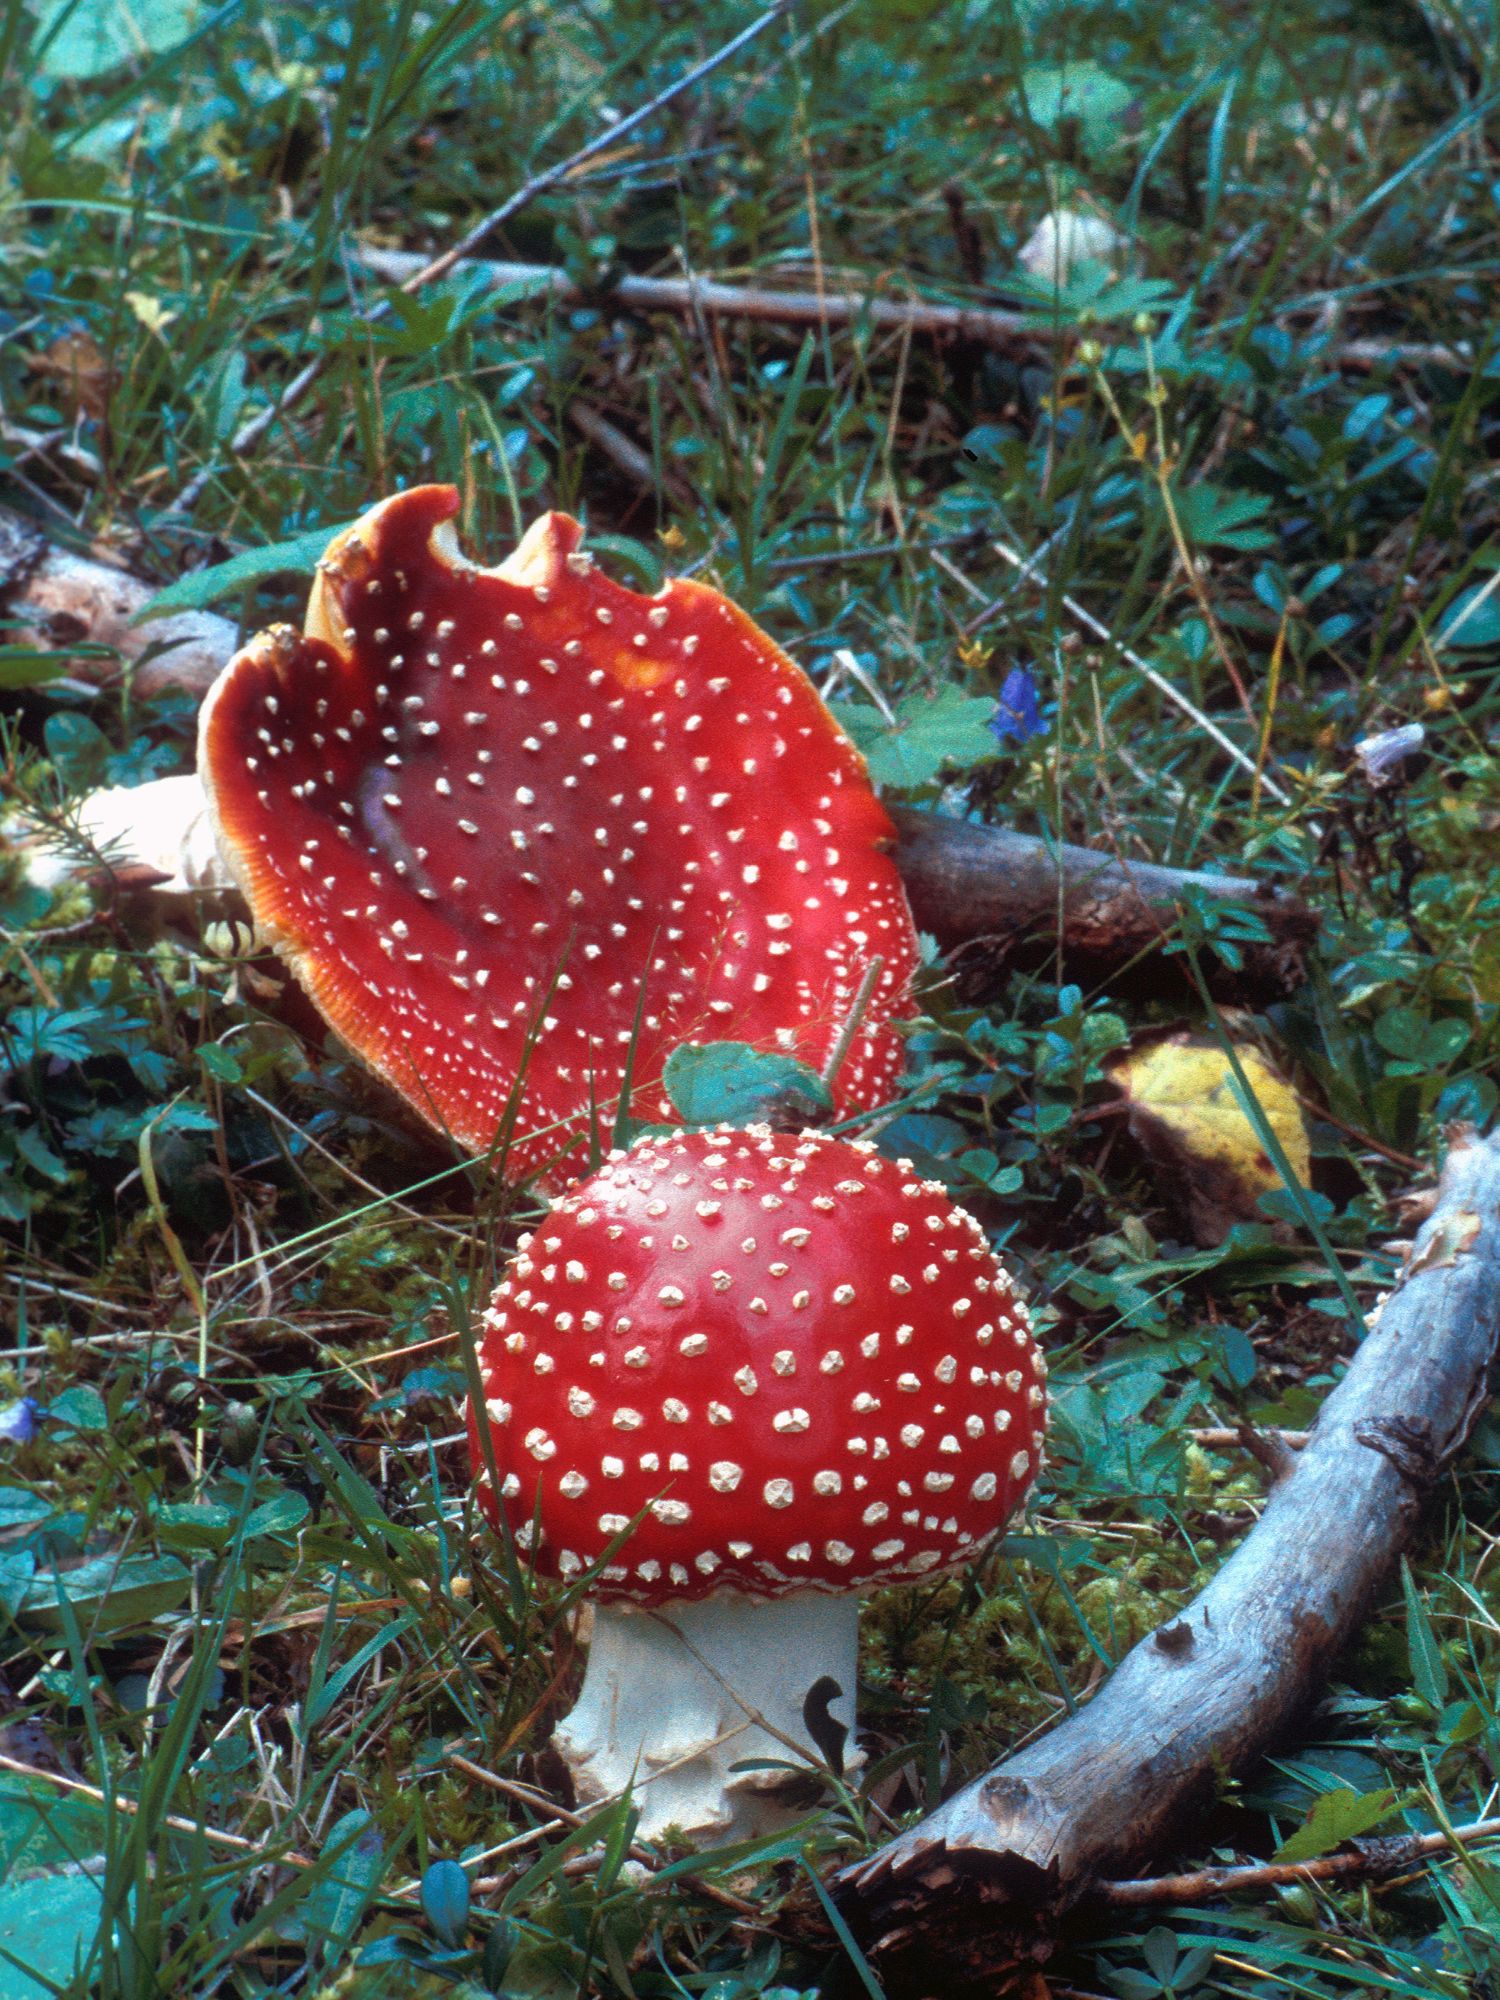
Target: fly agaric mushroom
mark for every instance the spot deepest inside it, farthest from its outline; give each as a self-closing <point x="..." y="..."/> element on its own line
<point x="525" y="819"/>
<point x="749" y="1377"/>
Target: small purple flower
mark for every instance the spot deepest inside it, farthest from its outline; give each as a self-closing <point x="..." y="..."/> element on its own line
<point x="1019" y="714"/>
<point x="18" y="1421"/>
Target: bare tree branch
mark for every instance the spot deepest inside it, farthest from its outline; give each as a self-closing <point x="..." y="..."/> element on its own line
<point x="788" y="305"/>
<point x="988" y="326"/>
<point x="995" y="898"/>
<point x="983" y="1879"/>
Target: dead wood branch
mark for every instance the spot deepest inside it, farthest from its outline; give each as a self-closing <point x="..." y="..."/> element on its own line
<point x="985" y="326"/>
<point x="61" y="602"/>
<point x="996" y="898"/>
<point x="983" y="1879"/>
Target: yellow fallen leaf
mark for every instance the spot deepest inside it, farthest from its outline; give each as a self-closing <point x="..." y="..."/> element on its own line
<point x="1187" y="1116"/>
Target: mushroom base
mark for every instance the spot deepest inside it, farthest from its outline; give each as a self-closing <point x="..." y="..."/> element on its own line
<point x="672" y="1699"/>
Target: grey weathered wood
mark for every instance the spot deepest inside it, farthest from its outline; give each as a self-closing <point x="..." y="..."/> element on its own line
<point x="60" y="601"/>
<point x="981" y="1880"/>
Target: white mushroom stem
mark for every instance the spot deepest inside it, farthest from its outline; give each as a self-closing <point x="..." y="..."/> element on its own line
<point x="159" y="834"/>
<point x="673" y="1699"/>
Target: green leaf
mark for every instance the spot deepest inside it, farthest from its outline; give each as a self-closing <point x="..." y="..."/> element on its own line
<point x="220" y="1062"/>
<point x="341" y="1893"/>
<point x="1429" y="1674"/>
<point x="1472" y="620"/>
<point x="1085" y="91"/>
<point x="37" y="1032"/>
<point x="283" y="1514"/>
<point x="983" y="1166"/>
<point x="20" y="1509"/>
<point x="730" y="1083"/>
<point x="1214" y="515"/>
<point x="1336" y="1816"/>
<point x="47" y="1926"/>
<point x="499" y="1949"/>
<point x="207" y="586"/>
<point x="1411" y="1037"/>
<point x="106" y="1593"/>
<point x="35" y="1151"/>
<point x="1133" y="1985"/>
<point x="1159" y="1949"/>
<point x="24" y="666"/>
<point x="16" y="1573"/>
<point x="195" y="1528"/>
<point x="94" y="36"/>
<point x="445" y="1901"/>
<point x="81" y="1407"/>
<point x="643" y="567"/>
<point x="40" y="1827"/>
<point x="78" y="748"/>
<point x="932" y="729"/>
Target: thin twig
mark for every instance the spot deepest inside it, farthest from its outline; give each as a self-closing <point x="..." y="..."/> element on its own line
<point x="249" y="435"/>
<point x="987" y="326"/>
<point x="1370" y="1858"/>
<point x="1218" y="1438"/>
<point x="622" y="451"/>
<point x="1368" y="353"/>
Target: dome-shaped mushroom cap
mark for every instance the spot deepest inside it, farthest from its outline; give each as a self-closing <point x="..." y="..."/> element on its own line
<point x="486" y="815"/>
<point x="800" y="1365"/>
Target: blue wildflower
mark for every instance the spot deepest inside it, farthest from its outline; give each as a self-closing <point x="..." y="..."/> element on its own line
<point x="1019" y="714"/>
<point x="18" y="1421"/>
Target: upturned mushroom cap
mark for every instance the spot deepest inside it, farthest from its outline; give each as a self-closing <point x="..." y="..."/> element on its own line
<point x="468" y="804"/>
<point x="802" y="1367"/>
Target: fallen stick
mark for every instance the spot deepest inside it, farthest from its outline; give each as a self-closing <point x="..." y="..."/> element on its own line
<point x="995" y="897"/>
<point x="980" y="1883"/>
<point x="990" y="895"/>
<point x="988" y="326"/>
<point x="985" y="326"/>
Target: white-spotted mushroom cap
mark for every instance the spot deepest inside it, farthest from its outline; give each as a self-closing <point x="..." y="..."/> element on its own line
<point x="476" y="807"/>
<point x="801" y="1366"/>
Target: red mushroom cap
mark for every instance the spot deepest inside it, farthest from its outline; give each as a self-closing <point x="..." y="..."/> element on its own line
<point x="803" y="1367"/>
<point x="466" y="804"/>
